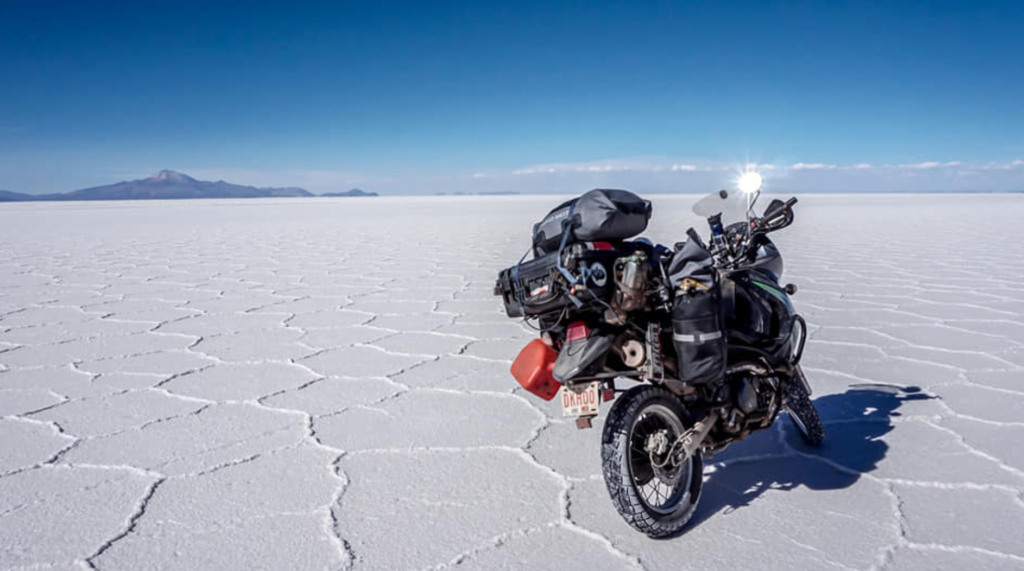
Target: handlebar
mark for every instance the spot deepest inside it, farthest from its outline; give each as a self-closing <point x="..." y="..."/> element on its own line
<point x="778" y="215"/>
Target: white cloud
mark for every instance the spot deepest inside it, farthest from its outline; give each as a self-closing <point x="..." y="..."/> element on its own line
<point x="812" y="166"/>
<point x="994" y="166"/>
<point x="928" y="165"/>
<point x="534" y="170"/>
<point x="653" y="174"/>
<point x="639" y="165"/>
<point x="596" y="166"/>
<point x="661" y="174"/>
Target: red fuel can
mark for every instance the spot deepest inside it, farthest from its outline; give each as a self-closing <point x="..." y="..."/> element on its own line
<point x="532" y="368"/>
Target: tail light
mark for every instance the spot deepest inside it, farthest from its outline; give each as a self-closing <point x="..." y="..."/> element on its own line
<point x="577" y="331"/>
<point x="532" y="368"/>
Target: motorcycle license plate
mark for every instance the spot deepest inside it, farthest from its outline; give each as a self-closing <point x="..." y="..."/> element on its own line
<point x="583" y="403"/>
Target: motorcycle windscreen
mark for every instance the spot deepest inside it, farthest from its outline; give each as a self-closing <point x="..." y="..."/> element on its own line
<point x="731" y="204"/>
<point x="577" y="356"/>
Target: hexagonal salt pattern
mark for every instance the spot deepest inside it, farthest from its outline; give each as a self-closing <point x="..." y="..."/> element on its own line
<point x="298" y="384"/>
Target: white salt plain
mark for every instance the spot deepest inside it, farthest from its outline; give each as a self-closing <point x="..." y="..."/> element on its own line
<point x="322" y="384"/>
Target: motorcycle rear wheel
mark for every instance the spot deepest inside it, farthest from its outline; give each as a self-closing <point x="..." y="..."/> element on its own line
<point x="655" y="499"/>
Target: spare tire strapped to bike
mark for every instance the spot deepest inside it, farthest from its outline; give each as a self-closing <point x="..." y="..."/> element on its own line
<point x="697" y="319"/>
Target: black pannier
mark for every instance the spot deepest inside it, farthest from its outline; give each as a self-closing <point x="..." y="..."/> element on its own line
<point x="698" y="323"/>
<point x="537" y="286"/>
<point x="599" y="215"/>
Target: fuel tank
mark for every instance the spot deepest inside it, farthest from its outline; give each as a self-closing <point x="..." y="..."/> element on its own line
<point x="758" y="313"/>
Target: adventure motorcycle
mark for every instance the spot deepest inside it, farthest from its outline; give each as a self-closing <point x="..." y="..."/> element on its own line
<point x="707" y="330"/>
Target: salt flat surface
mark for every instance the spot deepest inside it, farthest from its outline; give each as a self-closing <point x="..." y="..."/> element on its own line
<point x="323" y="384"/>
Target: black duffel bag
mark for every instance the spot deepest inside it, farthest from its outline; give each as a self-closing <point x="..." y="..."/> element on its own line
<point x="698" y="322"/>
<point x="599" y="215"/>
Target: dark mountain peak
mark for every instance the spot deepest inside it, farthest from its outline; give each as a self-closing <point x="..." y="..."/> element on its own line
<point x="171" y="176"/>
<point x="164" y="185"/>
<point x="8" y="196"/>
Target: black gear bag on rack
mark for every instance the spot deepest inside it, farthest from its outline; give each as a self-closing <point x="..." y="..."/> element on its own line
<point x="599" y="215"/>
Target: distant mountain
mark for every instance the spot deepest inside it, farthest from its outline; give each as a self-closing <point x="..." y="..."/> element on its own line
<point x="491" y="193"/>
<point x="353" y="192"/>
<point x="164" y="185"/>
<point x="8" y="196"/>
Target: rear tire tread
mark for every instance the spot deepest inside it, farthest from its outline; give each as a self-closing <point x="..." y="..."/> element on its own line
<point x="615" y="464"/>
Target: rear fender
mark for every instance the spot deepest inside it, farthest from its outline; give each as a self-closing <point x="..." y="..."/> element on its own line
<point x="578" y="356"/>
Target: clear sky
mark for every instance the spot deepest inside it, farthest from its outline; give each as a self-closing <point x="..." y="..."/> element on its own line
<point x="422" y="97"/>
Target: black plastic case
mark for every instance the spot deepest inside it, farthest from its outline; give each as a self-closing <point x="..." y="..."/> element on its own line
<point x="538" y="287"/>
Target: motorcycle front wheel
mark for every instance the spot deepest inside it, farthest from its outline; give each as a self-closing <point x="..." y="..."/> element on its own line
<point x="649" y="492"/>
<point x="801" y="410"/>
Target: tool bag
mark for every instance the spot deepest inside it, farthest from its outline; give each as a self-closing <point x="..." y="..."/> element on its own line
<point x="599" y="215"/>
<point x="698" y="323"/>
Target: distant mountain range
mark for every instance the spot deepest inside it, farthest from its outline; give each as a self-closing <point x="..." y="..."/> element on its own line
<point x="170" y="185"/>
<point x="8" y="196"/>
<point x="491" y="193"/>
<point x="353" y="192"/>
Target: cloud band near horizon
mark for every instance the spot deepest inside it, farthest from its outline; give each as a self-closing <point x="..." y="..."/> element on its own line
<point x="658" y="175"/>
<point x="640" y="174"/>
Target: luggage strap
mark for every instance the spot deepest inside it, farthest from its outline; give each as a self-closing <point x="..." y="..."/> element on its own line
<point x="515" y="282"/>
<point x="561" y="246"/>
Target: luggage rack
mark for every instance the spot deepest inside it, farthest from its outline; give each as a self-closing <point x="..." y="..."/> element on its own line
<point x="546" y="284"/>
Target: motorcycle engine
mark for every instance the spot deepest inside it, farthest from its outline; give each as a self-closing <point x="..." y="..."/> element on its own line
<point x="755" y="401"/>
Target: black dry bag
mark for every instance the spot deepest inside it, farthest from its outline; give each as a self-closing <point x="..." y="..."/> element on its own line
<point x="698" y="324"/>
<point x="599" y="215"/>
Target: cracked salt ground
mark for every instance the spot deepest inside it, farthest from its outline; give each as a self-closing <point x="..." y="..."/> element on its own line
<point x="290" y="384"/>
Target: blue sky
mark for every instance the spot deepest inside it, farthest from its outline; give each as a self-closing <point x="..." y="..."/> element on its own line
<point x="416" y="97"/>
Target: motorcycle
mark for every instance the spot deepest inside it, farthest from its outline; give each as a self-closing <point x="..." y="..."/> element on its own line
<point x="706" y="330"/>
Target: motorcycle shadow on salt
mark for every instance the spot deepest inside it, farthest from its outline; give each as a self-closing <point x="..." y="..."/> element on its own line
<point x="855" y="422"/>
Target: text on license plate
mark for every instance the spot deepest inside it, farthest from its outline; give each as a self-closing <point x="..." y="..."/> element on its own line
<point x="583" y="403"/>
